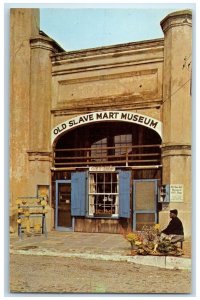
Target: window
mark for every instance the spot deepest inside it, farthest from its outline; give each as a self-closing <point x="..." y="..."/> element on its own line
<point x="99" y="151"/>
<point x="103" y="194"/>
<point x="123" y="140"/>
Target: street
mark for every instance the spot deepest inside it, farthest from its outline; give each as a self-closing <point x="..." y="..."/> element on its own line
<point x="43" y="274"/>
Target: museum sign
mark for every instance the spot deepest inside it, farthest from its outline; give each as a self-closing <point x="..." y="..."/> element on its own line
<point x="100" y="116"/>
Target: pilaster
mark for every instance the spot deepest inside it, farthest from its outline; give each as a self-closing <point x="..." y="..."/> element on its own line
<point x="176" y="147"/>
<point x="24" y="23"/>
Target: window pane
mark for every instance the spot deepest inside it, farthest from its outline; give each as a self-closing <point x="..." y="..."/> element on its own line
<point x="114" y="177"/>
<point x="144" y="219"/>
<point x="108" y="188"/>
<point x="108" y="177"/>
<point x="145" y="195"/>
<point x="123" y="140"/>
<point x="100" y="178"/>
<point x="97" y="152"/>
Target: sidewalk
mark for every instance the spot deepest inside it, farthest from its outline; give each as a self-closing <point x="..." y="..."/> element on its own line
<point x="93" y="246"/>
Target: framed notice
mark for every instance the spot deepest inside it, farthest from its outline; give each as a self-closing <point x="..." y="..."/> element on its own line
<point x="176" y="192"/>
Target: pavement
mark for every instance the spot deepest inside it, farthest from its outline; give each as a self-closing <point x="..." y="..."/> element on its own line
<point x="101" y="246"/>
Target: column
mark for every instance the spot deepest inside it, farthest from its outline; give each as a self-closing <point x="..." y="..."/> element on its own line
<point x="176" y="147"/>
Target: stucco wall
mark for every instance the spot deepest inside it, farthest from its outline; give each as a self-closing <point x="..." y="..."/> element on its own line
<point x="49" y="86"/>
<point x="127" y="76"/>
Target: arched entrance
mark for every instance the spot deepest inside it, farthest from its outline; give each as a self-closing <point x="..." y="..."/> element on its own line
<point x="101" y="173"/>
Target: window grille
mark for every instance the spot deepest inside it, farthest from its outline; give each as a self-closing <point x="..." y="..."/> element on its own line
<point x="103" y="194"/>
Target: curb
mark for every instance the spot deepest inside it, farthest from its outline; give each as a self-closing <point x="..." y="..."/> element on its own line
<point x="167" y="262"/>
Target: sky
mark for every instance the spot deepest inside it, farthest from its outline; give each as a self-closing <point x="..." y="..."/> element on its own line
<point x="81" y="28"/>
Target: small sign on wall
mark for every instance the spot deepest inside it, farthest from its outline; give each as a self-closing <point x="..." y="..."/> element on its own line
<point x="176" y="192"/>
<point x="102" y="169"/>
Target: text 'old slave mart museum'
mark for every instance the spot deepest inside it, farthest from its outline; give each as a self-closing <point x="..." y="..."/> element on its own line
<point x="102" y="134"/>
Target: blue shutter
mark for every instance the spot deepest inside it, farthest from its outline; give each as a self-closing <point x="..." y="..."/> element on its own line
<point x="78" y="200"/>
<point x="124" y="193"/>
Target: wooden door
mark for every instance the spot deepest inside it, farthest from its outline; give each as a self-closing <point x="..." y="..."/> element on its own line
<point x="144" y="203"/>
<point x="63" y="219"/>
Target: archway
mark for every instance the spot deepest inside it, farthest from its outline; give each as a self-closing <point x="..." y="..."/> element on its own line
<point x="107" y="143"/>
<point x="102" y="161"/>
<point x="123" y="116"/>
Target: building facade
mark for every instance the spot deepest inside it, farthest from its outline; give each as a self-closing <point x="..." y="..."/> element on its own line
<point x="105" y="132"/>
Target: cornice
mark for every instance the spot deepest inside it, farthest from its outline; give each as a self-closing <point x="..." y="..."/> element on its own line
<point x="179" y="18"/>
<point x="37" y="155"/>
<point x="44" y="42"/>
<point x="110" y="65"/>
<point x="113" y="50"/>
<point x="169" y="146"/>
<point x="176" y="150"/>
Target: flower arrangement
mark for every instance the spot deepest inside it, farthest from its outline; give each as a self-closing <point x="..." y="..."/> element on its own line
<point x="151" y="233"/>
<point x="29" y="208"/>
<point x="157" y="227"/>
<point x="147" y="242"/>
<point x="134" y="238"/>
<point x="43" y="202"/>
<point x="19" y="220"/>
<point x="37" y="228"/>
<point x="18" y="201"/>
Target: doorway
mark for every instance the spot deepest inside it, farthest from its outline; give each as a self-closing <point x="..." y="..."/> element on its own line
<point x="63" y="218"/>
<point x="144" y="203"/>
